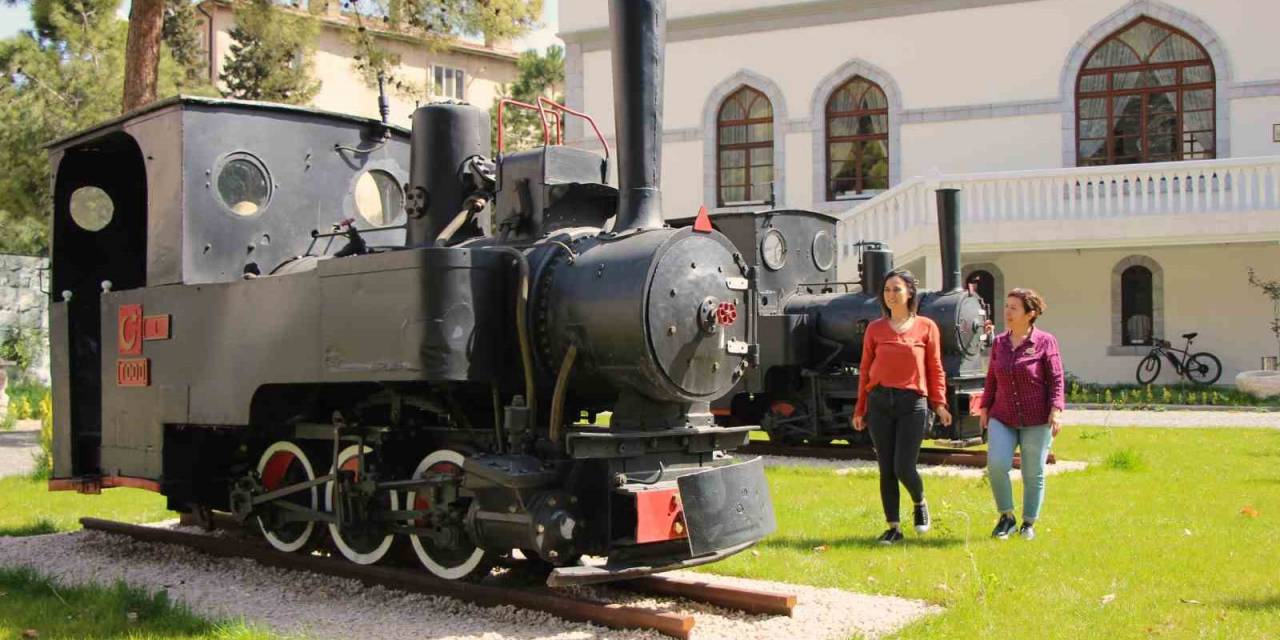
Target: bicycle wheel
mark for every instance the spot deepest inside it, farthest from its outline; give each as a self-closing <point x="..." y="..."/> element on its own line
<point x="1204" y="368"/>
<point x="1149" y="368"/>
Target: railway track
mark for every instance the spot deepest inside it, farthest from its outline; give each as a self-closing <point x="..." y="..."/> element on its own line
<point x="543" y="599"/>
<point x="928" y="455"/>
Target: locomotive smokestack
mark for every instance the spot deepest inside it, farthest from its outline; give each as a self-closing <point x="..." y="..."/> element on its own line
<point x="949" y="238"/>
<point x="639" y="35"/>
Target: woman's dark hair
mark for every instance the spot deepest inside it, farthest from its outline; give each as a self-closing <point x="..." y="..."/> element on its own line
<point x="909" y="279"/>
<point x="1031" y="301"/>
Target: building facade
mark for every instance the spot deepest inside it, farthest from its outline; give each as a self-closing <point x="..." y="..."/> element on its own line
<point x="1121" y="157"/>
<point x="465" y="71"/>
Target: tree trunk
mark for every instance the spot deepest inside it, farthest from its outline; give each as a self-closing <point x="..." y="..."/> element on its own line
<point x="142" y="54"/>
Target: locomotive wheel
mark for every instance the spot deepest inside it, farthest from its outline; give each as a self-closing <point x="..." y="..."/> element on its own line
<point x="462" y="559"/>
<point x="282" y="464"/>
<point x="363" y="542"/>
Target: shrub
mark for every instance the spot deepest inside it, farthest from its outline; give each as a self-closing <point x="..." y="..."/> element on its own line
<point x="44" y="457"/>
<point x="23" y="346"/>
<point x="25" y="398"/>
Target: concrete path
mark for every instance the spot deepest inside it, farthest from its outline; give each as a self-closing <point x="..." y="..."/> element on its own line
<point x="1175" y="419"/>
<point x="18" y="448"/>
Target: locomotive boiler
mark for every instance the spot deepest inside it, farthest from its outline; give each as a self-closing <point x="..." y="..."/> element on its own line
<point x="429" y="372"/>
<point x="811" y="327"/>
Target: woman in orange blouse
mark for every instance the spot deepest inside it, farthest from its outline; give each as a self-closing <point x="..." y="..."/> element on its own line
<point x="901" y="367"/>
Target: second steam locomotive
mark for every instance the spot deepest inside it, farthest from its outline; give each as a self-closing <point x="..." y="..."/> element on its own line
<point x="811" y="326"/>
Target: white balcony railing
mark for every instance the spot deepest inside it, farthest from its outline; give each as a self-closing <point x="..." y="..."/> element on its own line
<point x="1011" y="202"/>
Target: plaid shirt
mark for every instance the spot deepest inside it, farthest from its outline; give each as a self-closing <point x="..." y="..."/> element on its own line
<point x="1024" y="384"/>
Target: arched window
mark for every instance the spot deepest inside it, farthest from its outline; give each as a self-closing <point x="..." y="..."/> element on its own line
<point x="1145" y="94"/>
<point x="857" y="139"/>
<point x="1136" y="305"/>
<point x="744" y="144"/>
<point x="984" y="284"/>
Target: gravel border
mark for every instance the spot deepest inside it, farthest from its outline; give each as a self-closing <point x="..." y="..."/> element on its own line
<point x="1172" y="419"/>
<point x="291" y="602"/>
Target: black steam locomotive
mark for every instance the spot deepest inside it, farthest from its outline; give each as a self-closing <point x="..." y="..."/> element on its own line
<point x="811" y="328"/>
<point x="217" y="340"/>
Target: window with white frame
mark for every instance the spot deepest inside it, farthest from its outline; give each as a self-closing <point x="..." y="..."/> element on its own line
<point x="447" y="82"/>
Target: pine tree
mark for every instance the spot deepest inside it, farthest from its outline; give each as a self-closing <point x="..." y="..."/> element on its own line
<point x="436" y="23"/>
<point x="64" y="75"/>
<point x="538" y="75"/>
<point x="179" y="34"/>
<point x="271" y="55"/>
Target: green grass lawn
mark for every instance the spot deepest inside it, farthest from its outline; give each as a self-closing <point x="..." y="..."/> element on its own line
<point x="1170" y="533"/>
<point x="30" y="603"/>
<point x="27" y="507"/>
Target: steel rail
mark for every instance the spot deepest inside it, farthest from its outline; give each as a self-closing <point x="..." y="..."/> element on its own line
<point x="609" y="615"/>
<point x="928" y="455"/>
<point x="750" y="601"/>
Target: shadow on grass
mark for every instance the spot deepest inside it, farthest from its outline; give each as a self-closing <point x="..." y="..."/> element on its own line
<point x="868" y="541"/>
<point x="38" y="528"/>
<point x="1264" y="603"/>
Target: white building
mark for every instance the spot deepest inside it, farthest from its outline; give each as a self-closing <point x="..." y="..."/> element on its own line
<point x="1122" y="158"/>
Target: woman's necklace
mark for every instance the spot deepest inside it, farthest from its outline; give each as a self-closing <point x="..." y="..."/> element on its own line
<point x="900" y="325"/>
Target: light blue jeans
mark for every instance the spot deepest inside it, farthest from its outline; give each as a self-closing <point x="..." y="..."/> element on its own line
<point x="1035" y="443"/>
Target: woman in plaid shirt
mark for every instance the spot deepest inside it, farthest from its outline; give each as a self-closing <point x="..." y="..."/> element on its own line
<point x="1020" y="407"/>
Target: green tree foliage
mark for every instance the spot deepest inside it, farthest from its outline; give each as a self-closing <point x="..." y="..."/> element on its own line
<point x="180" y="34"/>
<point x="1271" y="289"/>
<point x="271" y="55"/>
<point x="539" y="74"/>
<point x="64" y="75"/>
<point x="435" y="23"/>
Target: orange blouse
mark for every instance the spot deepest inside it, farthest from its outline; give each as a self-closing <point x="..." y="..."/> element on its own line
<point x="908" y="360"/>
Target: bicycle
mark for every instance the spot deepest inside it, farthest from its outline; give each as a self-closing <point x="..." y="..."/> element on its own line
<point x="1202" y="368"/>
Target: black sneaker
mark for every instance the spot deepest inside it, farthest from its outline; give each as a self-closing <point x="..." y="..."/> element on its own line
<point x="890" y="536"/>
<point x="1005" y="526"/>
<point x="922" y="517"/>
<point x="1027" y="531"/>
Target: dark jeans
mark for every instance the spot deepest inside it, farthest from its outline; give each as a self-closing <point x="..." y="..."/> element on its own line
<point x="897" y="419"/>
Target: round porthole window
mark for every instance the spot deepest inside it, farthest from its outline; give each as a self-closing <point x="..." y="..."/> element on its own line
<point x="244" y="187"/>
<point x="773" y="249"/>
<point x="379" y="198"/>
<point x="824" y="251"/>
<point x="91" y="208"/>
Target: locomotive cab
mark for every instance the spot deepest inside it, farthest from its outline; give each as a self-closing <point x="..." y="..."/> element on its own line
<point x="187" y="191"/>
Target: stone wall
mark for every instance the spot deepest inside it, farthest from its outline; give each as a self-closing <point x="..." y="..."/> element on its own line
<point x="23" y="302"/>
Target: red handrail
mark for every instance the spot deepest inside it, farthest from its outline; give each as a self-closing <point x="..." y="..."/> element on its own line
<point x="557" y="113"/>
<point x="502" y="107"/>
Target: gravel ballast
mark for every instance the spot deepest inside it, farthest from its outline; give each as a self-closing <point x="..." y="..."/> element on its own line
<point x="290" y="602"/>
